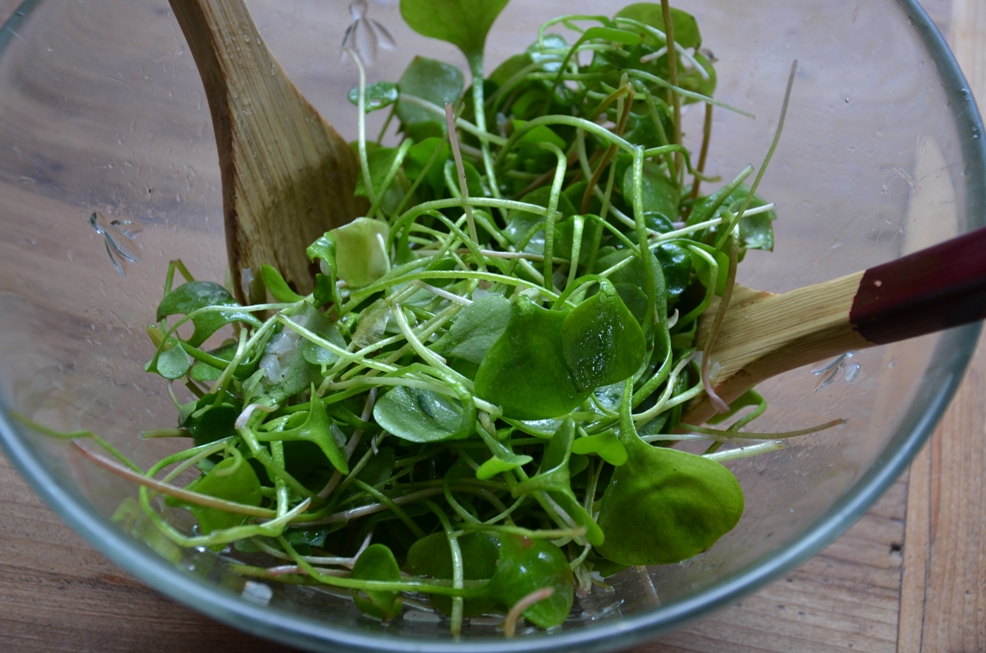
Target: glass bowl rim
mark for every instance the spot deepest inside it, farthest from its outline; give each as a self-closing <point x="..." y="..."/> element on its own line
<point x="607" y="635"/>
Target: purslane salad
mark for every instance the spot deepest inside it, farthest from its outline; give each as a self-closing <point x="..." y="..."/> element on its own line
<point x="477" y="406"/>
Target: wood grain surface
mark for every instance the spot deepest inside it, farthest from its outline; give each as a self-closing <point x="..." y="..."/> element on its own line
<point x="910" y="576"/>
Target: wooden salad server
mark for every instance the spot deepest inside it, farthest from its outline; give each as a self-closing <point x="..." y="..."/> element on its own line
<point x="287" y="176"/>
<point x="763" y="334"/>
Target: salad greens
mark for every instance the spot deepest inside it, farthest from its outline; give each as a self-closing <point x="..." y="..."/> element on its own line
<point x="476" y="405"/>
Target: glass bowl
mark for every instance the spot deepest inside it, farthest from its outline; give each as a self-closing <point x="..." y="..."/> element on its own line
<point x="105" y="132"/>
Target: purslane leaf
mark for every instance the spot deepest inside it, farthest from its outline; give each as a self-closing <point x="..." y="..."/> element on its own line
<point x="420" y="415"/>
<point x="196" y="295"/>
<point x="525" y="371"/>
<point x="463" y="23"/>
<point x="377" y="562"/>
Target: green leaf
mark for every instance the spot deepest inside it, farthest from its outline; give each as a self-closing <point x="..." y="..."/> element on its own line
<point x="324" y="249"/>
<point x="474" y="182"/>
<point x="659" y="196"/>
<point x="361" y="253"/>
<point x="527" y="565"/>
<point x="686" y="31"/>
<point x="376" y="96"/>
<point x="171" y="363"/>
<point x="676" y="263"/>
<point x="565" y="236"/>
<point x="277" y="286"/>
<point x="463" y="23"/>
<point x="209" y="420"/>
<point x="525" y="371"/>
<point x="704" y="270"/>
<point x="554" y="478"/>
<point x="316" y="429"/>
<point x="431" y="557"/>
<point x="509" y="68"/>
<point x="539" y="428"/>
<point x="602" y="341"/>
<point x="233" y="479"/>
<point x="419" y="415"/>
<point x="536" y="135"/>
<point x="680" y="505"/>
<point x="527" y="228"/>
<point x="380" y="160"/>
<point x="612" y="34"/>
<point x="477" y="328"/>
<point x="418" y="156"/>
<point x="606" y="445"/>
<point x="693" y="80"/>
<point x="756" y="231"/>
<point x="293" y="373"/>
<point x="377" y="563"/>
<point x="431" y="80"/>
<point x="496" y="465"/>
<point x="379" y="468"/>
<point x="204" y="372"/>
<point x="194" y="295"/>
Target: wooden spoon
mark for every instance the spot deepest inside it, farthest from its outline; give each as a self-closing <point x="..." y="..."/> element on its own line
<point x="287" y="175"/>
<point x="763" y="334"/>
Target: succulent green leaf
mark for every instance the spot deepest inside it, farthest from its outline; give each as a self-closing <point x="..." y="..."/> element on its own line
<point x="496" y="465"/>
<point x="686" y="32"/>
<point x="380" y="160"/>
<point x="317" y="429"/>
<point x="612" y="34"/>
<point x="554" y="479"/>
<point x="666" y="505"/>
<point x="420" y="415"/>
<point x="536" y="135"/>
<point x="195" y="295"/>
<point x="277" y="286"/>
<point x="431" y="557"/>
<point x="659" y="195"/>
<point x="171" y="363"/>
<point x="202" y="371"/>
<point x="525" y="371"/>
<point x="756" y="231"/>
<point x="361" y="252"/>
<point x="676" y="263"/>
<point x="418" y="156"/>
<point x="208" y="420"/>
<point x="606" y="445"/>
<point x="527" y="565"/>
<point x="463" y="23"/>
<point x="477" y="327"/>
<point x="431" y="80"/>
<point x="376" y="96"/>
<point x="377" y="563"/>
<point x="602" y="341"/>
<point x="233" y="479"/>
<point x="509" y="68"/>
<point x="527" y="228"/>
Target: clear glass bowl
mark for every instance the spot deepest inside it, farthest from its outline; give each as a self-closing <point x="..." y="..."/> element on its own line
<point x="102" y="111"/>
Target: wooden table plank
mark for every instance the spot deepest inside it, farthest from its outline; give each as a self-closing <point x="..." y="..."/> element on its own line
<point x="943" y="593"/>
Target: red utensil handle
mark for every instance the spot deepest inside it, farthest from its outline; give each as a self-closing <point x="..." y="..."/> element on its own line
<point x="930" y="290"/>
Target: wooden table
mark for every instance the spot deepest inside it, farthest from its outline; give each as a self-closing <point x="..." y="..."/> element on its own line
<point x="909" y="576"/>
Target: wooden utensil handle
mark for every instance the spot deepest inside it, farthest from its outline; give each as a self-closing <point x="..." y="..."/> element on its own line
<point x="930" y="290"/>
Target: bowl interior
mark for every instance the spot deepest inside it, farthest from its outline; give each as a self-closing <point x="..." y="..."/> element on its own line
<point x="103" y="113"/>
